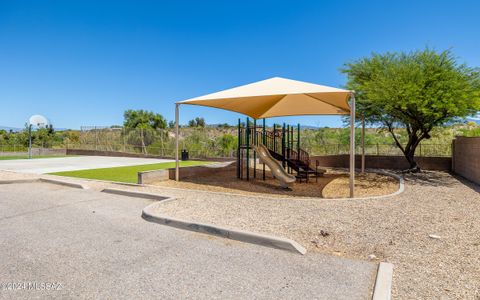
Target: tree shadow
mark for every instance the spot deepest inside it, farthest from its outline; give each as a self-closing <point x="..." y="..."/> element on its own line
<point x="470" y="184"/>
<point x="431" y="178"/>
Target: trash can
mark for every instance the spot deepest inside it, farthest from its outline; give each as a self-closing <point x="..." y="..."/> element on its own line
<point x="184" y="154"/>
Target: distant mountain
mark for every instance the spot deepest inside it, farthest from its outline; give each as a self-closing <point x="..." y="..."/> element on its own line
<point x="475" y="119"/>
<point x="310" y="127"/>
<point x="14" y="129"/>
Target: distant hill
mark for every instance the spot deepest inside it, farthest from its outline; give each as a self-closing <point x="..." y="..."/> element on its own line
<point x="475" y="119"/>
<point x="14" y="129"/>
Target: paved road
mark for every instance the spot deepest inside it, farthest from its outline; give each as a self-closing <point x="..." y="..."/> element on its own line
<point x="59" y="164"/>
<point x="97" y="246"/>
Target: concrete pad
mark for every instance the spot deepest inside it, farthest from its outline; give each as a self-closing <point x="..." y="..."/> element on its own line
<point x="60" y="164"/>
<point x="98" y="246"/>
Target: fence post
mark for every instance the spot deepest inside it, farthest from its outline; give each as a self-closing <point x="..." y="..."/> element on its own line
<point x="453" y="155"/>
<point x="96" y="137"/>
<point x="124" y="140"/>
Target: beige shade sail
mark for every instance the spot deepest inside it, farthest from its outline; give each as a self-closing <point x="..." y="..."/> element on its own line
<point x="276" y="97"/>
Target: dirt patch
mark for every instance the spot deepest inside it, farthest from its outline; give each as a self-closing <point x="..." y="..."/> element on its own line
<point x="333" y="184"/>
<point x="366" y="185"/>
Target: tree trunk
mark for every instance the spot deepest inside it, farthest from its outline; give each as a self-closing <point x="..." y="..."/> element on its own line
<point x="413" y="166"/>
<point x="409" y="150"/>
<point x="410" y="156"/>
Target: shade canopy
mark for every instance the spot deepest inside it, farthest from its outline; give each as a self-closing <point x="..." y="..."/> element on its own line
<point x="276" y="97"/>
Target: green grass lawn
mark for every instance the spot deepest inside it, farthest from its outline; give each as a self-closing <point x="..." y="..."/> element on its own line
<point x="26" y="156"/>
<point x="125" y="174"/>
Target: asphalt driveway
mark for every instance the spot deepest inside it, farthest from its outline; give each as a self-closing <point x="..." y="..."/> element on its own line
<point x="96" y="245"/>
<point x="73" y="163"/>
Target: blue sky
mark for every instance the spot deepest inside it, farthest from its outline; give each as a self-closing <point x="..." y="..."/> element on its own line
<point x="85" y="62"/>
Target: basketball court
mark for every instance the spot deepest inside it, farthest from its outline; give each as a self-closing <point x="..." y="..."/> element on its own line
<point x="60" y="164"/>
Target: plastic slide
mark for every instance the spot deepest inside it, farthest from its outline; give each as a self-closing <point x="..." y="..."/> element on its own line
<point x="275" y="167"/>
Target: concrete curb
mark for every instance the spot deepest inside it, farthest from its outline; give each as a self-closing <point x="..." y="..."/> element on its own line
<point x="383" y="283"/>
<point x="64" y="183"/>
<point x="13" y="181"/>
<point x="149" y="214"/>
<point x="96" y="180"/>
<point x="134" y="194"/>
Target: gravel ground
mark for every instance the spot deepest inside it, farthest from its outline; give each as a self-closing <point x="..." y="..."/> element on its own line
<point x="394" y="229"/>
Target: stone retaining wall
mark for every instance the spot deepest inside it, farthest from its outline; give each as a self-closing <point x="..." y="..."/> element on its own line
<point x="37" y="152"/>
<point x="185" y="172"/>
<point x="466" y="157"/>
<point x="383" y="162"/>
<point x="148" y="177"/>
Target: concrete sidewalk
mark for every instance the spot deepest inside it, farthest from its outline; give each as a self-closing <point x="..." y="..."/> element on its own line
<point x="60" y="164"/>
<point x="97" y="246"/>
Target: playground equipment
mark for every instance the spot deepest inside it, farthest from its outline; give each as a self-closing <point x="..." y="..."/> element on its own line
<point x="279" y="97"/>
<point x="283" y="147"/>
<point x="275" y="167"/>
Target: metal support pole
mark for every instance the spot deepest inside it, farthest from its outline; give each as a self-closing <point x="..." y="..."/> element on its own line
<point x="177" y="163"/>
<point x="238" y="149"/>
<point x="291" y="144"/>
<point x="283" y="146"/>
<point x="247" y="133"/>
<point x="30" y="141"/>
<point x="124" y="140"/>
<point x="96" y="138"/>
<point x="298" y="140"/>
<point x="363" y="144"/>
<point x="352" y="146"/>
<point x="274" y="137"/>
<point x="288" y="145"/>
<point x="254" y="152"/>
<point x="291" y="136"/>
<point x="263" y="141"/>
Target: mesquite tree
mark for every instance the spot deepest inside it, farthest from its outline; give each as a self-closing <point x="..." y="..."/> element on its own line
<point x="144" y="121"/>
<point x="415" y="91"/>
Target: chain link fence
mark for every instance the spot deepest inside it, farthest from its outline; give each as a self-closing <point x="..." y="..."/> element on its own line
<point x="200" y="142"/>
<point x="426" y="150"/>
<point x="210" y="142"/>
